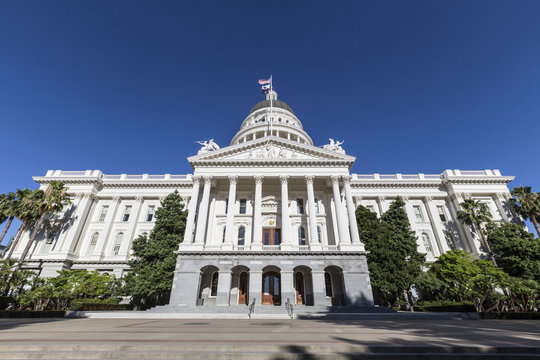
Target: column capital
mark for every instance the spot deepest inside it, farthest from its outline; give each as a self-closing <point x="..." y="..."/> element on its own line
<point x="116" y="198"/>
<point x="258" y="179"/>
<point x="404" y="197"/>
<point x="284" y="178"/>
<point x="346" y="179"/>
<point x="309" y="179"/>
<point x="334" y="179"/>
<point x="233" y="179"/>
<point x="381" y="198"/>
<point x="196" y="178"/>
<point x="208" y="179"/>
<point x="428" y="199"/>
<point x="140" y="198"/>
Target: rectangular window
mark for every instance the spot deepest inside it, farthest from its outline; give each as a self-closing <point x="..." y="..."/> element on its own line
<point x="418" y="213"/>
<point x="316" y="206"/>
<point x="300" y="206"/>
<point x="150" y="215"/>
<point x="48" y="242"/>
<point x="127" y="211"/>
<point x="243" y="203"/>
<point x="442" y="215"/>
<point x="226" y="206"/>
<point x="103" y="213"/>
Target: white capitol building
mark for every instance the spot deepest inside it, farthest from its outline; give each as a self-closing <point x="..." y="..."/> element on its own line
<point x="271" y="217"/>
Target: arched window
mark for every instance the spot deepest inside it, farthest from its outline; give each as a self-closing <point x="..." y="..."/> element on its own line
<point x="241" y="235"/>
<point x="93" y="243"/>
<point x="427" y="244"/>
<point x="213" y="285"/>
<point x="117" y="243"/>
<point x="301" y="236"/>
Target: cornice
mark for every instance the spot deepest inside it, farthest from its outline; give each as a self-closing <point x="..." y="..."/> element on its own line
<point x="249" y="253"/>
<point x="478" y="180"/>
<point x="69" y="179"/>
<point x="395" y="184"/>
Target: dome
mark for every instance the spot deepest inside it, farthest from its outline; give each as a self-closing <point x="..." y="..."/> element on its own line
<point x="266" y="103"/>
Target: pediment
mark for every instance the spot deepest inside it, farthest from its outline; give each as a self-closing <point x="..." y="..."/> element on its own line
<point x="271" y="149"/>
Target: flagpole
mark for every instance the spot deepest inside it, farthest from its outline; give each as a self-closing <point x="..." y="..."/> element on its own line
<point x="271" y="103"/>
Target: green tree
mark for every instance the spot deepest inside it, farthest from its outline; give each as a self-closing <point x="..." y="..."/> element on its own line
<point x="394" y="261"/>
<point x="527" y="204"/>
<point x="8" y="211"/>
<point x="475" y="214"/>
<point x="153" y="262"/>
<point x="455" y="269"/>
<point x="54" y="199"/>
<point x="28" y="202"/>
<point x="517" y="251"/>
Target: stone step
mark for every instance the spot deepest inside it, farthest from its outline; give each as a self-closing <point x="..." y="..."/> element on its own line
<point x="255" y="351"/>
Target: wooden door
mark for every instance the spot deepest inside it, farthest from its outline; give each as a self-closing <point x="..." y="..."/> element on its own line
<point x="300" y="288"/>
<point x="271" y="236"/>
<point x="243" y="289"/>
<point x="271" y="292"/>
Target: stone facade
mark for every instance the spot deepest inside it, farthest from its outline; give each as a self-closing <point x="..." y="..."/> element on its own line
<point x="271" y="217"/>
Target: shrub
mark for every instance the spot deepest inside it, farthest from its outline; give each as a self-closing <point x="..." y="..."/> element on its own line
<point x="445" y="306"/>
<point x="97" y="304"/>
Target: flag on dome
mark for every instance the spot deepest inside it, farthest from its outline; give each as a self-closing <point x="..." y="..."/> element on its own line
<point x="266" y="87"/>
<point x="265" y="81"/>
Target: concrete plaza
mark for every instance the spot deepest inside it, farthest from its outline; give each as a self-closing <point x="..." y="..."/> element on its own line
<point x="266" y="339"/>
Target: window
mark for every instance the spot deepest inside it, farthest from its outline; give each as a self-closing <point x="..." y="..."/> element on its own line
<point x="319" y="234"/>
<point x="117" y="243"/>
<point x="93" y="243"/>
<point x="224" y="232"/>
<point x="226" y="206"/>
<point x="442" y="215"/>
<point x="241" y="235"/>
<point x="213" y="285"/>
<point x="450" y="241"/>
<point x="127" y="211"/>
<point x="300" y="206"/>
<point x="316" y="206"/>
<point x="418" y="213"/>
<point x="48" y="242"/>
<point x="243" y="203"/>
<point x="427" y="244"/>
<point x="103" y="213"/>
<point x="150" y="214"/>
<point x="301" y="236"/>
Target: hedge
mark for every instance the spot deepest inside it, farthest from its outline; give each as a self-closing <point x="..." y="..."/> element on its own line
<point x="32" y="314"/>
<point x="98" y="305"/>
<point x="445" y="306"/>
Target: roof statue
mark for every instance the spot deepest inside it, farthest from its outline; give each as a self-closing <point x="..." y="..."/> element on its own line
<point x="334" y="146"/>
<point x="207" y="146"/>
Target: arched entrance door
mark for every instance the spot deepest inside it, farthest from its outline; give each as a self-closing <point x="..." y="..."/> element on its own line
<point x="243" y="289"/>
<point x="300" y="288"/>
<point x="271" y="291"/>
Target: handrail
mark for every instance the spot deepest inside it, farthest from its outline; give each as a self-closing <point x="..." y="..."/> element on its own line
<point x="289" y="308"/>
<point x="251" y="308"/>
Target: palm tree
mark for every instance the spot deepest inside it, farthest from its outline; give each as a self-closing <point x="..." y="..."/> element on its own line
<point x="53" y="201"/>
<point x="8" y="210"/>
<point x="474" y="214"/>
<point x="527" y="204"/>
<point x="27" y="212"/>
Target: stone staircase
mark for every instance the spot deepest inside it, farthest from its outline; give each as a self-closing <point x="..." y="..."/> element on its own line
<point x="172" y="351"/>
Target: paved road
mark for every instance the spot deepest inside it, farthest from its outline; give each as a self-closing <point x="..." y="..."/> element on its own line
<point x="266" y="332"/>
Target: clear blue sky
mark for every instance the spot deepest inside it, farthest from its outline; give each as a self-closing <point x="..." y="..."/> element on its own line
<point x="410" y="86"/>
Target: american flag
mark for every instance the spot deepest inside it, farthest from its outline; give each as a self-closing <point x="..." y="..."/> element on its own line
<point x="264" y="81"/>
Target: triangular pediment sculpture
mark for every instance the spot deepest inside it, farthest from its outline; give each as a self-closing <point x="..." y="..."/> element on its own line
<point x="271" y="149"/>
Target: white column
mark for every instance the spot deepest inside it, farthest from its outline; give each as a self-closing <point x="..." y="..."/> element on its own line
<point x="192" y="210"/>
<point x="81" y="214"/>
<point x="314" y="240"/>
<point x="133" y="219"/>
<point x="380" y="200"/>
<point x="200" y="232"/>
<point x="351" y="210"/>
<point x="437" y="230"/>
<point x="344" y="238"/>
<point x="499" y="198"/>
<point x="285" y="228"/>
<point x="257" y="218"/>
<point x="231" y="208"/>
<point x="107" y="228"/>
